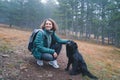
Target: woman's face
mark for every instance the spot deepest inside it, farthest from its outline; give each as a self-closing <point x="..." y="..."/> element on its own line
<point x="48" y="25"/>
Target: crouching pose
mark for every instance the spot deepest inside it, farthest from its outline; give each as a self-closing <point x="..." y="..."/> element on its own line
<point x="47" y="44"/>
<point x="77" y="61"/>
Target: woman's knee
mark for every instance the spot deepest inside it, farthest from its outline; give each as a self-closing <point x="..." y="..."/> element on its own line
<point x="47" y="57"/>
<point x="57" y="47"/>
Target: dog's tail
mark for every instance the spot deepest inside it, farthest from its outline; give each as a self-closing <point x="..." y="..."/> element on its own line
<point x="90" y="75"/>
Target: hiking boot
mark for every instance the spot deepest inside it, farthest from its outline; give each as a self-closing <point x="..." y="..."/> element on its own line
<point x="54" y="64"/>
<point x="40" y="62"/>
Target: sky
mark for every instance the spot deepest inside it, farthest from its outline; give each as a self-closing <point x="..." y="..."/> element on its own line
<point x="45" y="1"/>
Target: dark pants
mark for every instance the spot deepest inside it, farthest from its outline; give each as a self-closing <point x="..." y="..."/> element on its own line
<point x="49" y="57"/>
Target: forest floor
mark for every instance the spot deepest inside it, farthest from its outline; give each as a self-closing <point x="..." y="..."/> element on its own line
<point x="17" y="63"/>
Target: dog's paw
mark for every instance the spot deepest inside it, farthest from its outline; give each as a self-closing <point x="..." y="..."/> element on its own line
<point x="66" y="69"/>
<point x="73" y="73"/>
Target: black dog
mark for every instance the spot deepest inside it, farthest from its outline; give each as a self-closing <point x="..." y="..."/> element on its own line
<point x="77" y="61"/>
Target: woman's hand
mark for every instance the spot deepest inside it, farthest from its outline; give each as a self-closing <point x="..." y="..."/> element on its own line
<point x="55" y="55"/>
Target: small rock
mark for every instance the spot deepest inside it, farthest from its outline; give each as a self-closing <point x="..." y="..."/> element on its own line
<point x="26" y="70"/>
<point x="5" y="56"/>
<point x="40" y="76"/>
<point x="50" y="75"/>
<point x="23" y="66"/>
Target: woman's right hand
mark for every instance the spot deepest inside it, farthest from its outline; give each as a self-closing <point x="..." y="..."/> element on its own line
<point x="55" y="55"/>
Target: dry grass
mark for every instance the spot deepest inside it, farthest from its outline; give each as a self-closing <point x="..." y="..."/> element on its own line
<point x="104" y="61"/>
<point x="13" y="36"/>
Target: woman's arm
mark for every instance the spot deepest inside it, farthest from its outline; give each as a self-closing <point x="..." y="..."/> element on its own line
<point x="59" y="40"/>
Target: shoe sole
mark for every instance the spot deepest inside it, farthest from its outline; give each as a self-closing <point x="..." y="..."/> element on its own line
<point x="53" y="66"/>
<point x="39" y="64"/>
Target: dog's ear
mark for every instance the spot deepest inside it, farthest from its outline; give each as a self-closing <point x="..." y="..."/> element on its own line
<point x="75" y="45"/>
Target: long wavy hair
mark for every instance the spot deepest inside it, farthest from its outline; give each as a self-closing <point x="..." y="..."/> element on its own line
<point x="55" y="26"/>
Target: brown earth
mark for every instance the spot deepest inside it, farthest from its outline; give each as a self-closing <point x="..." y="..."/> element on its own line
<point x="17" y="63"/>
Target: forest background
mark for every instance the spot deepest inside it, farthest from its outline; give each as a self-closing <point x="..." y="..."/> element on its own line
<point x="91" y="20"/>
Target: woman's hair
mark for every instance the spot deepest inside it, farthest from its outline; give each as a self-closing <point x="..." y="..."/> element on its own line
<point x="55" y="26"/>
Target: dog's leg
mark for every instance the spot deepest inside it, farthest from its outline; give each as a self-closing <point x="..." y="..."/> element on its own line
<point x="68" y="65"/>
<point x="75" y="67"/>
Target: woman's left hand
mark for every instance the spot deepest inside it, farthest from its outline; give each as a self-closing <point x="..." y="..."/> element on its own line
<point x="55" y="55"/>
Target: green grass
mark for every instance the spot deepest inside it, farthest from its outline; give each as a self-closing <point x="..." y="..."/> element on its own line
<point x="5" y="47"/>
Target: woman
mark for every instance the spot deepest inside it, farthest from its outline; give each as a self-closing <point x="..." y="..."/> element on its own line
<point x="47" y="44"/>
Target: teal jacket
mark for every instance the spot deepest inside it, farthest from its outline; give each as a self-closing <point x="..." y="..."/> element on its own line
<point x="42" y="44"/>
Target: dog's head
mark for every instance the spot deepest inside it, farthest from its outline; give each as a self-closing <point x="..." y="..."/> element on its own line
<point x="71" y="47"/>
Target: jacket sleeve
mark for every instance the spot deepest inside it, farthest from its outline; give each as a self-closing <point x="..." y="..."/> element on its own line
<point x="39" y="43"/>
<point x="59" y="40"/>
